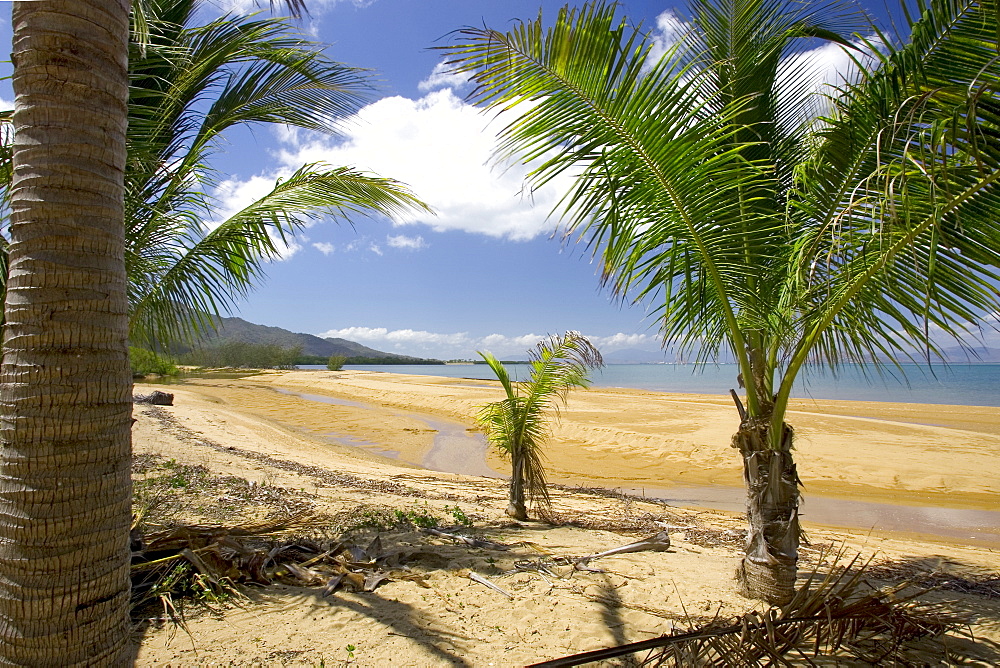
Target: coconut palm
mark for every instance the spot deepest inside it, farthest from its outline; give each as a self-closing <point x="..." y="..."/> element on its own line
<point x="190" y="86"/>
<point x="712" y="191"/>
<point x="66" y="403"/>
<point x="519" y="424"/>
<point x="65" y="509"/>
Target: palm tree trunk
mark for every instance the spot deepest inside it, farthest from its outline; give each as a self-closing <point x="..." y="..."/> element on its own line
<point x="768" y="569"/>
<point x="517" y="507"/>
<point x="65" y="403"/>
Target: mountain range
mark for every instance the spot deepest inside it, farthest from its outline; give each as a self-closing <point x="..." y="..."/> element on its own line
<point x="237" y="329"/>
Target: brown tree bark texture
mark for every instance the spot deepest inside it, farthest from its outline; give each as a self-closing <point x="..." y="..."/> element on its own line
<point x="65" y="400"/>
<point x="769" y="568"/>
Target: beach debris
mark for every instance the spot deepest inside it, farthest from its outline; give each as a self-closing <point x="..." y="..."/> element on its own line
<point x="837" y="615"/>
<point x="475" y="577"/>
<point x="471" y="542"/>
<point x="154" y="398"/>
<point x="659" y="542"/>
<point x="207" y="563"/>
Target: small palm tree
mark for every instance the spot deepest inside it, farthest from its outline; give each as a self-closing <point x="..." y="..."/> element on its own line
<point x="517" y="425"/>
<point x="751" y="227"/>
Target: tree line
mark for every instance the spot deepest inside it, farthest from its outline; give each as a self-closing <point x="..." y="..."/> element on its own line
<point x="246" y="355"/>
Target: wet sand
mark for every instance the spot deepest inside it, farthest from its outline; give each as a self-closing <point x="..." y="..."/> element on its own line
<point x="924" y="455"/>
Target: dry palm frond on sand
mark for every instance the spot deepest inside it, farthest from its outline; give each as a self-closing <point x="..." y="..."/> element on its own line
<point x="207" y="562"/>
<point x="838" y="614"/>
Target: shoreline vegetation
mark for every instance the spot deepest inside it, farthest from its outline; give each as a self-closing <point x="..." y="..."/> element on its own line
<point x="233" y="354"/>
<point x="254" y="451"/>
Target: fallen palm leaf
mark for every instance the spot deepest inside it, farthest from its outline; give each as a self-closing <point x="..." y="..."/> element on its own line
<point x="483" y="581"/>
<point x="841" y="616"/>
<point x="206" y="562"/>
<point x="471" y="542"/>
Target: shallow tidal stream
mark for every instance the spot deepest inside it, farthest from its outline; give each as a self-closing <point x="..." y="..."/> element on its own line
<point x="456" y="450"/>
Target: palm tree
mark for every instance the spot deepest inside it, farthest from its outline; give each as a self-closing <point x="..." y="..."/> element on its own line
<point x="65" y="404"/>
<point x="710" y="189"/>
<point x="517" y="425"/>
<point x="190" y="85"/>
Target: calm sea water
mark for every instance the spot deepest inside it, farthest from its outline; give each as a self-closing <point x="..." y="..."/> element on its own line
<point x="959" y="384"/>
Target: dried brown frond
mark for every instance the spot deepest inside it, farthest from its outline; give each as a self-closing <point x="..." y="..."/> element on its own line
<point x="835" y="614"/>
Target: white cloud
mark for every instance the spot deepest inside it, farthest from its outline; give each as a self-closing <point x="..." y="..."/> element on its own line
<point x="233" y="195"/>
<point x="375" y="248"/>
<point x="669" y="31"/>
<point x="443" y="149"/>
<point x="440" y="77"/>
<point x="621" y="341"/>
<point x="814" y="70"/>
<point x="324" y="247"/>
<point x="823" y="69"/>
<point x="462" y="345"/>
<point x="405" y="242"/>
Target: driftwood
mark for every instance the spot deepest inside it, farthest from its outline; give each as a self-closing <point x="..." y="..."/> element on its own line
<point x="155" y="398"/>
<point x="471" y="542"/>
<point x="658" y="543"/>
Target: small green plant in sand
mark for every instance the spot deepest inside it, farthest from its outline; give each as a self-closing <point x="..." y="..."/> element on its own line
<point x="418" y="518"/>
<point x="383" y="518"/>
<point x="350" y="651"/>
<point x="518" y="425"/>
<point x="459" y="515"/>
<point x="336" y="362"/>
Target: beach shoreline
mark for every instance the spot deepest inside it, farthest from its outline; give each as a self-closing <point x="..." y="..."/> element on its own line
<point x="924" y="455"/>
<point x="245" y="429"/>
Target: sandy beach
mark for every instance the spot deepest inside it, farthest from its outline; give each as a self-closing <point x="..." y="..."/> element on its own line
<point x="383" y="427"/>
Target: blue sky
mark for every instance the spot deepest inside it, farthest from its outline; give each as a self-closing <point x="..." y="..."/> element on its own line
<point x="485" y="273"/>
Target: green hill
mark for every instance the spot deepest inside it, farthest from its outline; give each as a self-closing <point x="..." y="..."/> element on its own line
<point x="237" y="329"/>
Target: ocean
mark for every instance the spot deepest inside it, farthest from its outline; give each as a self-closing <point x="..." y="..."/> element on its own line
<point x="957" y="384"/>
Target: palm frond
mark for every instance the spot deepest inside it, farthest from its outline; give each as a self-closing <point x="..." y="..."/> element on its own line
<point x="187" y="277"/>
<point x="898" y="236"/>
<point x="835" y="616"/>
<point x="681" y="165"/>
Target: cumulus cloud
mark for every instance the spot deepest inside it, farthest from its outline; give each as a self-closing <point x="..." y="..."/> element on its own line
<point x="440" y="77"/>
<point x="405" y="242"/>
<point x="669" y="31"/>
<point x="324" y="247"/>
<point x="443" y="149"/>
<point x="824" y="69"/>
<point x="828" y="65"/>
<point x="621" y="341"/>
<point x="234" y="195"/>
<point x="316" y="7"/>
<point x="463" y="345"/>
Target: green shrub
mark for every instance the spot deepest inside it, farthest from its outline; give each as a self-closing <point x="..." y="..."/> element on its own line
<point x="336" y="362"/>
<point x="145" y="362"/>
